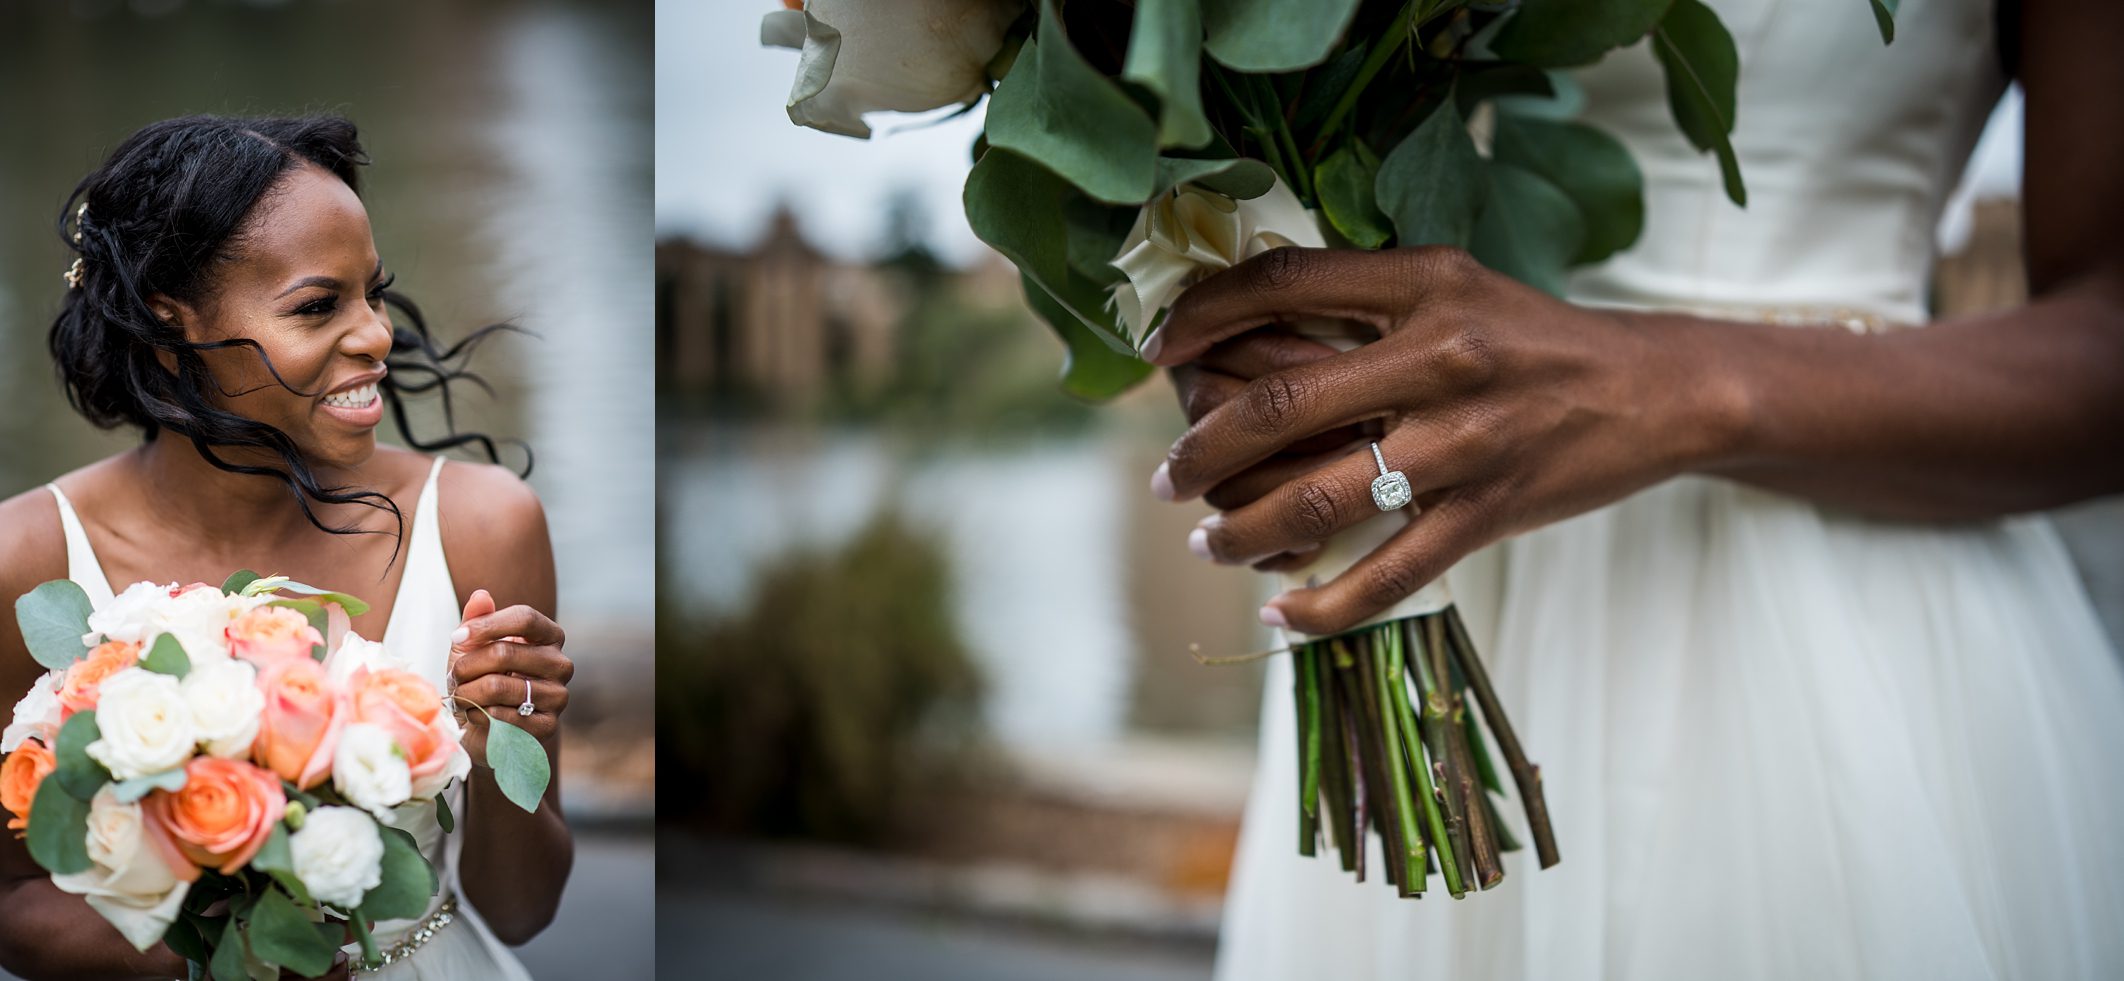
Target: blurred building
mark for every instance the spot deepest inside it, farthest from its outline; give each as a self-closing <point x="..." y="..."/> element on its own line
<point x="1985" y="274"/>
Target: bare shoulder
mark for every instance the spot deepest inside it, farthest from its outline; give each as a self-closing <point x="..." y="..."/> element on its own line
<point x="32" y="551"/>
<point x="494" y="532"/>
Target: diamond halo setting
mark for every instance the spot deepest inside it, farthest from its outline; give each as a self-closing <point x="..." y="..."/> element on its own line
<point x="1390" y="490"/>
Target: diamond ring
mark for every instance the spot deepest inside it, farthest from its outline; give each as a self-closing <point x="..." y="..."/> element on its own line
<point x="1390" y="490"/>
<point x="527" y="708"/>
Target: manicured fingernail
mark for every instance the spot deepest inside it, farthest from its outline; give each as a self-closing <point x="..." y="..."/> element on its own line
<point x="1198" y="543"/>
<point x="1162" y="483"/>
<point x="1152" y="343"/>
<point x="458" y="636"/>
<point x="1273" y="617"/>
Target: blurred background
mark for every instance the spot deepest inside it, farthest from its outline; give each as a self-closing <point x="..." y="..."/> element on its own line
<point x="927" y="706"/>
<point x="511" y="180"/>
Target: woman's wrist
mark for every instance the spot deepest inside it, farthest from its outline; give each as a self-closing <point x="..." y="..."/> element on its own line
<point x="1704" y="406"/>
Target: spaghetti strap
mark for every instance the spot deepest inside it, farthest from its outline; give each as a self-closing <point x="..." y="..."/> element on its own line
<point x="424" y="611"/>
<point x="81" y="564"/>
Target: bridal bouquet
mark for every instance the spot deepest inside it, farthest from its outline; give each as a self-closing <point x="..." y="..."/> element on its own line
<point x="207" y="770"/>
<point x="1131" y="149"/>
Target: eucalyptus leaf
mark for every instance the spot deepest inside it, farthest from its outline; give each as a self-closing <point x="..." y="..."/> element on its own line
<point x="1274" y="35"/>
<point x="239" y="580"/>
<point x="443" y="815"/>
<point x="1884" y="18"/>
<point x="1344" y="182"/>
<point x="1095" y="233"/>
<point x="58" y="830"/>
<point x="1431" y="184"/>
<point x="408" y="880"/>
<point x="183" y="938"/>
<point x="166" y="656"/>
<point x="53" y="618"/>
<point x="1056" y="108"/>
<point x="1091" y="370"/>
<point x="1165" y="56"/>
<point x="227" y="964"/>
<point x="1591" y="167"/>
<point x="1238" y="177"/>
<point x="347" y="601"/>
<point x="283" y="937"/>
<point x="1529" y="228"/>
<point x="1702" y="70"/>
<point x="520" y="765"/>
<point x="72" y="766"/>
<point x="277" y="859"/>
<point x="1566" y="33"/>
<point x="128" y="791"/>
<point x="1016" y="206"/>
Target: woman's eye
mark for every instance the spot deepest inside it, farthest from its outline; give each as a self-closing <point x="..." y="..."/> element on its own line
<point x="376" y="293"/>
<point x="316" y="307"/>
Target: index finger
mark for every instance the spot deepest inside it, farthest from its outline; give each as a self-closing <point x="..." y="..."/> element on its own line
<point x="1276" y="411"/>
<point x="516" y="621"/>
<point x="1282" y="286"/>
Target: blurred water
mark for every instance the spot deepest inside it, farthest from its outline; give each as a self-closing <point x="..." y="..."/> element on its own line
<point x="512" y="180"/>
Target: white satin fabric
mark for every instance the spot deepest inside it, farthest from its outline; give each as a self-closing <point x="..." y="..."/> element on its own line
<point x="423" y="615"/>
<point x="1777" y="740"/>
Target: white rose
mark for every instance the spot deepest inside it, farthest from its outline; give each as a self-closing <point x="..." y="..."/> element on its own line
<point x="131" y="883"/>
<point x="459" y="766"/>
<point x="338" y="855"/>
<point x="225" y="704"/>
<point x="1183" y="236"/>
<point x="864" y="56"/>
<point x="146" y="724"/>
<point x="370" y="770"/>
<point x="37" y="714"/>
<point x="200" y="621"/>
<point x="130" y="615"/>
<point x="356" y="652"/>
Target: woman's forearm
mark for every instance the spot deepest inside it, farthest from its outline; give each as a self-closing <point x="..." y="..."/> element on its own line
<point x="2016" y="411"/>
<point x="47" y="933"/>
<point x="514" y="863"/>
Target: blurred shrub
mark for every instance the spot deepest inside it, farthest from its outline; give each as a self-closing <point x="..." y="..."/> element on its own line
<point x="800" y="715"/>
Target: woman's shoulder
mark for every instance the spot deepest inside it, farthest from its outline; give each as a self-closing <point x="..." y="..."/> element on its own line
<point x="490" y="518"/>
<point x="32" y="551"/>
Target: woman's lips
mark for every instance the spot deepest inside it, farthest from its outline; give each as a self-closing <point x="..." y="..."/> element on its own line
<point x="360" y="406"/>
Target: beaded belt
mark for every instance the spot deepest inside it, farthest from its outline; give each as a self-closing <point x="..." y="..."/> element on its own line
<point x="421" y="933"/>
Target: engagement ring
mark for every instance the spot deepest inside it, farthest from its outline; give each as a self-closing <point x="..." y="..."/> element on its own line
<point x="1391" y="489"/>
<point x="527" y="708"/>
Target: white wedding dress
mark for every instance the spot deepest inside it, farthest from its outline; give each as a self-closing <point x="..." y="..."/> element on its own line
<point x="1778" y="740"/>
<point x="422" y="617"/>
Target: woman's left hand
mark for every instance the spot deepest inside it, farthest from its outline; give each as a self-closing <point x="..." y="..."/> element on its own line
<point x="494" y="654"/>
<point x="1506" y="408"/>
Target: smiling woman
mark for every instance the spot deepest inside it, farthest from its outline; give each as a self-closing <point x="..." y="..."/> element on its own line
<point x="229" y="302"/>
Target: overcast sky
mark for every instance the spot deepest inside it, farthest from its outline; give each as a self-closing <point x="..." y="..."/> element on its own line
<point x="726" y="151"/>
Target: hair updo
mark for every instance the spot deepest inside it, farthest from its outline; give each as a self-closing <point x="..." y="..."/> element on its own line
<point x="162" y="212"/>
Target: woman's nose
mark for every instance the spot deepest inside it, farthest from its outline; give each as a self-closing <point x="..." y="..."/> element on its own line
<point x="372" y="339"/>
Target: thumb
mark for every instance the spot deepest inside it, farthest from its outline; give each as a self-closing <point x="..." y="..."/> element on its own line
<point x="480" y="604"/>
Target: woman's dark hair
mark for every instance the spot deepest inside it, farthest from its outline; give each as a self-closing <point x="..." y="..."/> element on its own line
<point x="160" y="215"/>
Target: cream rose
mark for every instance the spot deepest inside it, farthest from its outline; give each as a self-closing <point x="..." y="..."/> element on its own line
<point x="1191" y="232"/>
<point x="200" y="618"/>
<point x="863" y="56"/>
<point x="370" y="770"/>
<point x="37" y="714"/>
<point x="338" y="855"/>
<point x="354" y="653"/>
<point x="131" y="882"/>
<point x="225" y="704"/>
<point x="131" y="615"/>
<point x="146" y="724"/>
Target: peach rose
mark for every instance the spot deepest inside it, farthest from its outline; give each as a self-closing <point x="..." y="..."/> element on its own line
<point x="224" y="814"/>
<point x="299" y="727"/>
<point x="21" y="773"/>
<point x="80" y="689"/>
<point x="405" y="705"/>
<point x="269" y="632"/>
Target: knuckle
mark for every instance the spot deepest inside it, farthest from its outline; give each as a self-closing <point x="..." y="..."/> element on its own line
<point x="1315" y="511"/>
<point x="1391" y="578"/>
<point x="1275" y="402"/>
<point x="1279" y="269"/>
<point x="1444" y="263"/>
<point x="1468" y="358"/>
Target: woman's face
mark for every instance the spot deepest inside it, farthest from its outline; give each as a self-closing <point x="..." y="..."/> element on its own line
<point x="306" y="285"/>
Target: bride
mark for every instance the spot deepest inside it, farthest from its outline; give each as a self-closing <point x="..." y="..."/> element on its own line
<point x="229" y="303"/>
<point x="1815" y="694"/>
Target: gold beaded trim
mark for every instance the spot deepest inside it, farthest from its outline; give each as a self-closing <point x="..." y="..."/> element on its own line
<point x="421" y="933"/>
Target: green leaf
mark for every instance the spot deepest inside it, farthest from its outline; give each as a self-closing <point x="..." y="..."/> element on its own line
<point x="1056" y="108"/>
<point x="1344" y="182"/>
<point x="183" y="938"/>
<point x="520" y="764"/>
<point x="1165" y="56"/>
<point x="1589" y="166"/>
<point x="1565" y="33"/>
<point x="283" y="937"/>
<point x="1238" y="177"/>
<point x="227" y="964"/>
<point x="239" y="580"/>
<point x="53" y="618"/>
<point x="128" y="791"/>
<point x="1095" y="232"/>
<point x="1273" y="35"/>
<point x="167" y="656"/>
<point x="1501" y="81"/>
<point x="1091" y="370"/>
<point x="1017" y="207"/>
<point x="72" y="766"/>
<point x="1702" y="69"/>
<point x="1431" y="184"/>
<point x="347" y="601"/>
<point x="1884" y="18"/>
<point x="58" y="830"/>
<point x="443" y="815"/>
<point x="274" y="858"/>
<point x="408" y="880"/>
<point x="1529" y="229"/>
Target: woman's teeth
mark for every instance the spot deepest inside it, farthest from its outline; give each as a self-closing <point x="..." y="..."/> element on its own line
<point x="353" y="398"/>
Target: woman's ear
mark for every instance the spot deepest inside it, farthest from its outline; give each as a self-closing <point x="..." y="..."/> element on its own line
<point x="175" y="313"/>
